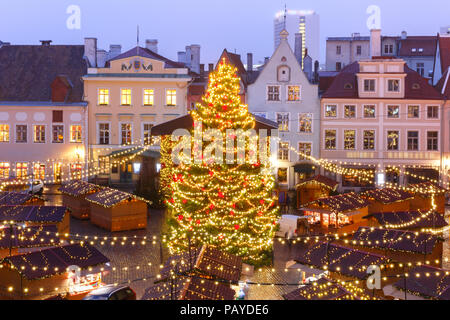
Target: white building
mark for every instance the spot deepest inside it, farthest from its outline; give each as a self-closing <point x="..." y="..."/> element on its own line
<point x="305" y="22"/>
<point x="282" y="93"/>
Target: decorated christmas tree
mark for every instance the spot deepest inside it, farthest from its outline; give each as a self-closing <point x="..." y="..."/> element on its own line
<point x="228" y="205"/>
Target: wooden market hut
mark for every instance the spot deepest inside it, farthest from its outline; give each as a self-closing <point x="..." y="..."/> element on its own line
<point x="19" y="240"/>
<point x="322" y="289"/>
<point x="399" y="245"/>
<point x="388" y="200"/>
<point x="314" y="188"/>
<point x="40" y="274"/>
<point x="116" y="210"/>
<point x="425" y="283"/>
<point x="37" y="215"/>
<point x="342" y="213"/>
<point x="74" y="197"/>
<point x="422" y="197"/>
<point x="409" y="220"/>
<point x="14" y="198"/>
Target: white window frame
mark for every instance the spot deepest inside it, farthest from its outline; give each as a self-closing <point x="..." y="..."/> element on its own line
<point x="325" y="111"/>
<point x="288" y="122"/>
<point x="393" y="105"/>
<point x="288" y="149"/>
<point x="312" y="122"/>
<point x="120" y="132"/>
<point x="45" y="136"/>
<point x="131" y="97"/>
<point x="143" y="97"/>
<point x="279" y="93"/>
<point x="70" y="133"/>
<point x="15" y="133"/>
<point x="413" y="105"/>
<point x="398" y="142"/>
<point x="426" y="139"/>
<point x="399" y="85"/>
<point x="287" y="175"/>
<point x="375" y="139"/>
<point x="176" y="97"/>
<point x="98" y="97"/>
<point x="343" y="139"/>
<point x="9" y="133"/>
<point x="418" y="140"/>
<point x="299" y="93"/>
<point x="97" y="123"/>
<point x="142" y="129"/>
<point x="64" y="132"/>
<point x="350" y="105"/>
<point x="22" y="162"/>
<point x="336" y="143"/>
<point x="374" y="88"/>
<point x="438" y="112"/>
<point x="298" y="149"/>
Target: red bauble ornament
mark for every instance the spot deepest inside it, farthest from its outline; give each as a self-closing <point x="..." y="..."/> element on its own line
<point x="184" y="201"/>
<point x="220" y="195"/>
<point x="236" y="226"/>
<point x="211" y="206"/>
<point x="211" y="173"/>
<point x="180" y="217"/>
<point x="261" y="201"/>
<point x="224" y="108"/>
<point x="198" y="221"/>
<point x="232" y="213"/>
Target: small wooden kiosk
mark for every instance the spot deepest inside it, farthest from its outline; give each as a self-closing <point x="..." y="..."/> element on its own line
<point x="422" y="197"/>
<point x="37" y="215"/>
<point x="74" y="197"/>
<point x="343" y="213"/>
<point x="116" y="210"/>
<point x="14" y="198"/>
<point x="38" y="275"/>
<point x="388" y="200"/>
<point x="314" y="188"/>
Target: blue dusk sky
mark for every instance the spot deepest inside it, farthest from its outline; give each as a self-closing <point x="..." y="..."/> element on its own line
<point x="238" y="25"/>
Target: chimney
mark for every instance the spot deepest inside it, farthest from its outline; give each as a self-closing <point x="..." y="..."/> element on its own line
<point x="181" y="56"/>
<point x="101" y="58"/>
<point x="249" y="62"/>
<point x="356" y="35"/>
<point x="375" y="43"/>
<point x="90" y="51"/>
<point x="266" y="59"/>
<point x="211" y="67"/>
<point x="45" y="43"/>
<point x="298" y="47"/>
<point x="316" y="71"/>
<point x="404" y="35"/>
<point x="194" y="57"/>
<point x="114" y="50"/>
<point x="152" y="45"/>
<point x="202" y="69"/>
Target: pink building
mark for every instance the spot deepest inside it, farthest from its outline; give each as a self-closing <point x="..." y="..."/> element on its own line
<point x="380" y="113"/>
<point x="43" y="119"/>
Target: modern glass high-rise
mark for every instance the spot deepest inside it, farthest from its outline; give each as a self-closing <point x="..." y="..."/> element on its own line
<point x="306" y="22"/>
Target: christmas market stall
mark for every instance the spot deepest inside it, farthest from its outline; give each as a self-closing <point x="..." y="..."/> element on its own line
<point x="342" y="213"/>
<point x="13" y="198"/>
<point x="37" y="215"/>
<point x="314" y="188"/>
<point x="410" y="220"/>
<point x="17" y="240"/>
<point x="73" y="270"/>
<point x="116" y="210"/>
<point x="423" y="283"/>
<point x="388" y="200"/>
<point x="423" y="194"/>
<point x="399" y="245"/>
<point x="74" y="197"/>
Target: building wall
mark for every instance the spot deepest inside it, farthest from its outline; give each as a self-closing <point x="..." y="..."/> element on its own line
<point x="348" y="53"/>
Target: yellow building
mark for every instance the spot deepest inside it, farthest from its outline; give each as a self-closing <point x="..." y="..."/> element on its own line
<point x="133" y="92"/>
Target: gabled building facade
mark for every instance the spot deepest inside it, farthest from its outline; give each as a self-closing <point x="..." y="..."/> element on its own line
<point x="283" y="93"/>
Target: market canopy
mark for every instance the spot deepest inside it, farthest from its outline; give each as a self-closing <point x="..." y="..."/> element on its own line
<point x="32" y="213"/>
<point x="321" y="180"/>
<point x="387" y="195"/>
<point x="426" y="187"/>
<point x="108" y="197"/>
<point x="340" y="204"/>
<point x="16" y="198"/>
<point x="414" y="219"/>
<point x="29" y="237"/>
<point x="322" y="289"/>
<point x="78" y="188"/>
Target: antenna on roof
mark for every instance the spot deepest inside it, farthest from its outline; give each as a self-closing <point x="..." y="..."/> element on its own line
<point x="137" y="39"/>
<point x="285" y="14"/>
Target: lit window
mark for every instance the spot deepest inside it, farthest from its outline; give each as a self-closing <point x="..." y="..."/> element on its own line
<point x="413" y="140"/>
<point x="75" y="133"/>
<point x="273" y="93"/>
<point x="22" y="170"/>
<point x="125" y="129"/>
<point x="39" y="134"/>
<point x="147" y="127"/>
<point x="58" y="134"/>
<point x="369" y="85"/>
<point x="330" y="139"/>
<point x="393" y="85"/>
<point x="349" y="139"/>
<point x="369" y="111"/>
<point x="21" y="133"/>
<point x="330" y="111"/>
<point x="149" y="97"/>
<point x="349" y="111"/>
<point x="282" y="175"/>
<point x="103" y="164"/>
<point x="393" y="111"/>
<point x="171" y="98"/>
<point x="392" y="140"/>
<point x="125" y="97"/>
<point x="283" y="121"/>
<point x="433" y="112"/>
<point x="283" y="151"/>
<point x="39" y="171"/>
<point x="103" y="133"/>
<point x="4" y="132"/>
<point x="103" y="97"/>
<point x="432" y="140"/>
<point x="293" y="93"/>
<point x="75" y="170"/>
<point x="304" y="149"/>
<point x="369" y="139"/>
<point x="4" y="170"/>
<point x="305" y="122"/>
<point x="413" y="111"/>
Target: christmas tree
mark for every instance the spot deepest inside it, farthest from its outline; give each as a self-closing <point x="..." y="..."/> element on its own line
<point x="228" y="205"/>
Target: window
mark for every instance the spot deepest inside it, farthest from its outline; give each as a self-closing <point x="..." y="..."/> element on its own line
<point x="349" y="111"/>
<point x="330" y="139"/>
<point x="75" y="133"/>
<point x="358" y="50"/>
<point x="388" y="48"/>
<point x="393" y="85"/>
<point x="125" y="133"/>
<point x="75" y="170"/>
<point x="369" y="140"/>
<point x="413" y="112"/>
<point x="283" y="121"/>
<point x="393" y="111"/>
<point x="125" y="97"/>
<point x="149" y="97"/>
<point x="433" y="112"/>
<point x="21" y="133"/>
<point x="58" y="133"/>
<point x="304" y="149"/>
<point x="39" y="134"/>
<point x="338" y="66"/>
<point x="369" y="85"/>
<point x="349" y="139"/>
<point x="420" y="68"/>
<point x="171" y="98"/>
<point x="4" y="132"/>
<point x="39" y="171"/>
<point x="369" y="111"/>
<point x="283" y="151"/>
<point x="432" y="141"/>
<point x="273" y="93"/>
<point x="57" y="116"/>
<point x="22" y="170"/>
<point x="305" y="122"/>
<point x="392" y="140"/>
<point x="282" y="175"/>
<point x="103" y="133"/>
<point x="103" y="164"/>
<point x="293" y="93"/>
<point x="338" y="49"/>
<point x="330" y="111"/>
<point x="4" y="170"/>
<point x="103" y="97"/>
<point x="146" y="128"/>
<point x="413" y="140"/>
<point x="284" y="73"/>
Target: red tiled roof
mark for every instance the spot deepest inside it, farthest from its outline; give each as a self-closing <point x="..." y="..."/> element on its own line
<point x="427" y="43"/>
<point x="345" y="85"/>
<point x="444" y="81"/>
<point x="341" y="203"/>
<point x="444" y="49"/>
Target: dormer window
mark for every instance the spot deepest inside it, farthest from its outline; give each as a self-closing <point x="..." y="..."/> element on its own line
<point x="284" y="74"/>
<point x="416" y="86"/>
<point x="393" y="85"/>
<point x="414" y="50"/>
<point x="420" y="49"/>
<point x="369" y="85"/>
<point x="348" y="86"/>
